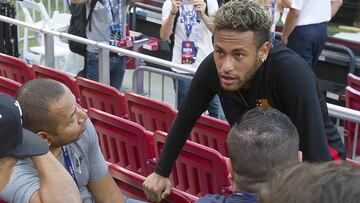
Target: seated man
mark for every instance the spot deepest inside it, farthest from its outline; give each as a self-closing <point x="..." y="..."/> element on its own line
<point x="262" y="140"/>
<point x="50" y="110"/>
<point x="18" y="142"/>
<point x="315" y="182"/>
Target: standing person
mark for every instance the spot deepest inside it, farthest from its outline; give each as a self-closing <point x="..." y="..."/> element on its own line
<point x="17" y="142"/>
<point x="264" y="139"/>
<point x="50" y="110"/>
<point x="247" y="70"/>
<point x="190" y="25"/>
<point x="108" y="18"/>
<point x="305" y="28"/>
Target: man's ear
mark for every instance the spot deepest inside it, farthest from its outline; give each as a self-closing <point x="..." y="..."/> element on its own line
<point x="45" y="136"/>
<point x="230" y="169"/>
<point x="264" y="51"/>
<point x="300" y="157"/>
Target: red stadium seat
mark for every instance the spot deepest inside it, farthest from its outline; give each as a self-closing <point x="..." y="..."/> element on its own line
<point x="211" y="132"/>
<point x="15" y="69"/>
<point x="2" y="201"/>
<point x="353" y="81"/>
<point x="103" y="97"/>
<point x="64" y="78"/>
<point x="151" y="114"/>
<point x="352" y="100"/>
<point x="130" y="184"/>
<point x="198" y="170"/>
<point x="123" y="142"/>
<point x="8" y="86"/>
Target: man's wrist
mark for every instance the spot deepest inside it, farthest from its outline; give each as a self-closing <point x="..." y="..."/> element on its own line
<point x="173" y="13"/>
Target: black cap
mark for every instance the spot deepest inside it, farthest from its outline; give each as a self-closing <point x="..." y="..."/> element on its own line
<point x="14" y="140"/>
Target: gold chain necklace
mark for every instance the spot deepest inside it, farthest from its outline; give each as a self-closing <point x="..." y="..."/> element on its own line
<point x="247" y="105"/>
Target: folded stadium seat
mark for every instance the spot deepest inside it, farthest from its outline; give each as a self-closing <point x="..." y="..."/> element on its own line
<point x="15" y="69"/>
<point x="199" y="170"/>
<point x="64" y="78"/>
<point x="8" y="86"/>
<point x="100" y="96"/>
<point x="211" y="132"/>
<point x="352" y="100"/>
<point x="353" y="81"/>
<point x="151" y="114"/>
<point x="130" y="184"/>
<point x="124" y="142"/>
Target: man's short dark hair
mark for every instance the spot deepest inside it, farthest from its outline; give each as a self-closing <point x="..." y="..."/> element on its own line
<point x="264" y="138"/>
<point x="329" y="182"/>
<point x="245" y="15"/>
<point x="35" y="98"/>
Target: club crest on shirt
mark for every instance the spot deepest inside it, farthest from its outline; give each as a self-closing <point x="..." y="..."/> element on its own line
<point x="262" y="102"/>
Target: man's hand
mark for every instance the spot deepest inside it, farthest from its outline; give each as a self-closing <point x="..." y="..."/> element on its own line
<point x="156" y="187"/>
<point x="284" y="40"/>
<point x="200" y="6"/>
<point x="175" y="4"/>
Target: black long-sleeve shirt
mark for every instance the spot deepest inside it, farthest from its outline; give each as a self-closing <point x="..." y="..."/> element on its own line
<point x="284" y="81"/>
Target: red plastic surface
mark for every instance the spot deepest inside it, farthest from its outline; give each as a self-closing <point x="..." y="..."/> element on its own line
<point x="151" y="114"/>
<point x="64" y="78"/>
<point x="103" y="97"/>
<point x="211" y="132"/>
<point x="123" y="142"/>
<point x="8" y="86"/>
<point x="130" y="184"/>
<point x="15" y="69"/>
<point x="199" y="170"/>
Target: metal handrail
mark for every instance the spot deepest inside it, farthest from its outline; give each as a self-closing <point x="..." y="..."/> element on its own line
<point x="104" y="49"/>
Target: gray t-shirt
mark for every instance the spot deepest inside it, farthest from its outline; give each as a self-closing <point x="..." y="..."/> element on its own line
<point x="101" y="20"/>
<point x="87" y="161"/>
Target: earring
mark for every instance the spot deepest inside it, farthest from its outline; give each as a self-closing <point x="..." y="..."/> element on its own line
<point x="262" y="60"/>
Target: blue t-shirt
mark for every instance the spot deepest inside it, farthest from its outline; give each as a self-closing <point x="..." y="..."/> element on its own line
<point x="238" y="197"/>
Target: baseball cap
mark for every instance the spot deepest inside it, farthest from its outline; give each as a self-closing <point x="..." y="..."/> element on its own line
<point x="14" y="140"/>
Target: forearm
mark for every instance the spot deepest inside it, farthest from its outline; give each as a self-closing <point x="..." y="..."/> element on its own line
<point x="335" y="5"/>
<point x="208" y="22"/>
<point x="290" y="22"/>
<point x="78" y="1"/>
<point x="56" y="184"/>
<point x="167" y="27"/>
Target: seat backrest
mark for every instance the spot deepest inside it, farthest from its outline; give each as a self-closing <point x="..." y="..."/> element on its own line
<point x="15" y="69"/>
<point x="130" y="184"/>
<point x="8" y="86"/>
<point x="199" y="170"/>
<point x="353" y="81"/>
<point x="151" y="114"/>
<point x="64" y="78"/>
<point x="352" y="101"/>
<point x="211" y="132"/>
<point x="123" y="142"/>
<point x="100" y="96"/>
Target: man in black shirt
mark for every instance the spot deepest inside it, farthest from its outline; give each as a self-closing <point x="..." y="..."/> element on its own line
<point x="247" y="70"/>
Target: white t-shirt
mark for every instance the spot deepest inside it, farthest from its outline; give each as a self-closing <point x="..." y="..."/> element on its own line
<point x="311" y="11"/>
<point x="200" y="33"/>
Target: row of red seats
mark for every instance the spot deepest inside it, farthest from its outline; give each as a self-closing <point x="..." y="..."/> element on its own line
<point x="151" y="114"/>
<point x="352" y="101"/>
<point x="199" y="170"/>
<point x="147" y="112"/>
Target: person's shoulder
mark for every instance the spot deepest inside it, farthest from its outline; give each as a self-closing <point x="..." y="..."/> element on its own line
<point x="283" y="61"/>
<point x="210" y="198"/>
